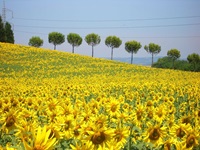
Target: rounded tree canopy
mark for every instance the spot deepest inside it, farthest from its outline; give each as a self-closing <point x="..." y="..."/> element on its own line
<point x="113" y="41"/>
<point x="93" y="39"/>
<point x="193" y="58"/>
<point x="56" y="38"/>
<point x="35" y="41"/>
<point x="174" y="54"/>
<point x="74" y="39"/>
<point x="132" y="46"/>
<point x="152" y="48"/>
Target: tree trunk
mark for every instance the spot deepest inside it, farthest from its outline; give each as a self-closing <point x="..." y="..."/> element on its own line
<point x="92" y="51"/>
<point x="131" y="57"/>
<point x="72" y="48"/>
<point x="112" y="53"/>
<point x="152" y="60"/>
<point x="54" y="46"/>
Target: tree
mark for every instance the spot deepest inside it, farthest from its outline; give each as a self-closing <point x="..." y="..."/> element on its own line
<point x="132" y="47"/>
<point x="35" y="41"/>
<point x="9" y="33"/>
<point x="194" y="59"/>
<point x="56" y="38"/>
<point x="113" y="42"/>
<point x="74" y="39"/>
<point x="93" y="40"/>
<point x="153" y="49"/>
<point x="2" y="31"/>
<point x="174" y="54"/>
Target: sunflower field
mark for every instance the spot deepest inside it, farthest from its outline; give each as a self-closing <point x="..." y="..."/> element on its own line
<point x="58" y="100"/>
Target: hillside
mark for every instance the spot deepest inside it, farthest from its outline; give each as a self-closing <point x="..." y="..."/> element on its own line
<point x="94" y="103"/>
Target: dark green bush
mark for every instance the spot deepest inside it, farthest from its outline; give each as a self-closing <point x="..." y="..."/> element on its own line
<point x="166" y="62"/>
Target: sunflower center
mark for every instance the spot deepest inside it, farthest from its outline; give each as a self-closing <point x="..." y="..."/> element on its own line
<point x="118" y="136"/>
<point x="139" y="114"/>
<point x="38" y="147"/>
<point x="199" y="113"/>
<point x="190" y="141"/>
<point x="67" y="125"/>
<point x="186" y="120"/>
<point x="98" y="138"/>
<point x="160" y="113"/>
<point x="150" y="114"/>
<point x="167" y="146"/>
<point x="10" y="121"/>
<point x="113" y="108"/>
<point x="180" y="133"/>
<point x="154" y="134"/>
<point x="99" y="123"/>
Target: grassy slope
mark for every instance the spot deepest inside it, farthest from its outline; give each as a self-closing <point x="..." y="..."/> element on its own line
<point x="22" y="61"/>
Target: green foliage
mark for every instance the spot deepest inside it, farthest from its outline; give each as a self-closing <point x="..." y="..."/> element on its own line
<point x="194" y="59"/>
<point x="35" y="41"/>
<point x="74" y="39"/>
<point x="132" y="47"/>
<point x="165" y="62"/>
<point x="2" y="31"/>
<point x="153" y="49"/>
<point x="56" y="38"/>
<point x="93" y="40"/>
<point x="113" y="42"/>
<point x="6" y="32"/>
<point x="174" y="54"/>
<point x="9" y="33"/>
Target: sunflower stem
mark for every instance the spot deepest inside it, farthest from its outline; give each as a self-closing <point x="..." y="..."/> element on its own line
<point x="129" y="142"/>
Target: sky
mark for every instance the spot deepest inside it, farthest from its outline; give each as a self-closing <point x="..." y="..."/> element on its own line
<point x="168" y="23"/>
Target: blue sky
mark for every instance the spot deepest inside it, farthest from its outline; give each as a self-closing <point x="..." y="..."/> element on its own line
<point x="169" y="23"/>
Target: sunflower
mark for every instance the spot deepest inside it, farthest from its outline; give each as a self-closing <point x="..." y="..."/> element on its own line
<point x="10" y="120"/>
<point x="179" y="131"/>
<point x="160" y="113"/>
<point x="155" y="134"/>
<point x="112" y="106"/>
<point x="168" y="144"/>
<point x="67" y="125"/>
<point x="82" y="146"/>
<point x="100" y="137"/>
<point x="191" y="139"/>
<point x="25" y="129"/>
<point x="120" y="136"/>
<point x="139" y="115"/>
<point x="43" y="140"/>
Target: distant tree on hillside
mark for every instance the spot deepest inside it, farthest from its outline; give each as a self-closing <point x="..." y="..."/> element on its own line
<point x="113" y="42"/>
<point x="74" y="39"/>
<point x="132" y="47"/>
<point x="2" y="31"/>
<point x="174" y="54"/>
<point x="194" y="59"/>
<point x="56" y="38"/>
<point x="153" y="49"/>
<point x="93" y="40"/>
<point x="9" y="33"/>
<point x="35" y="41"/>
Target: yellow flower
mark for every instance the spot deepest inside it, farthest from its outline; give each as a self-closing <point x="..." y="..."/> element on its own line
<point x="155" y="134"/>
<point x="10" y="120"/>
<point x="191" y="140"/>
<point x="139" y="115"/>
<point x="120" y="136"/>
<point x="113" y="106"/>
<point x="180" y="130"/>
<point x="168" y="144"/>
<point x="41" y="141"/>
<point x="100" y="137"/>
